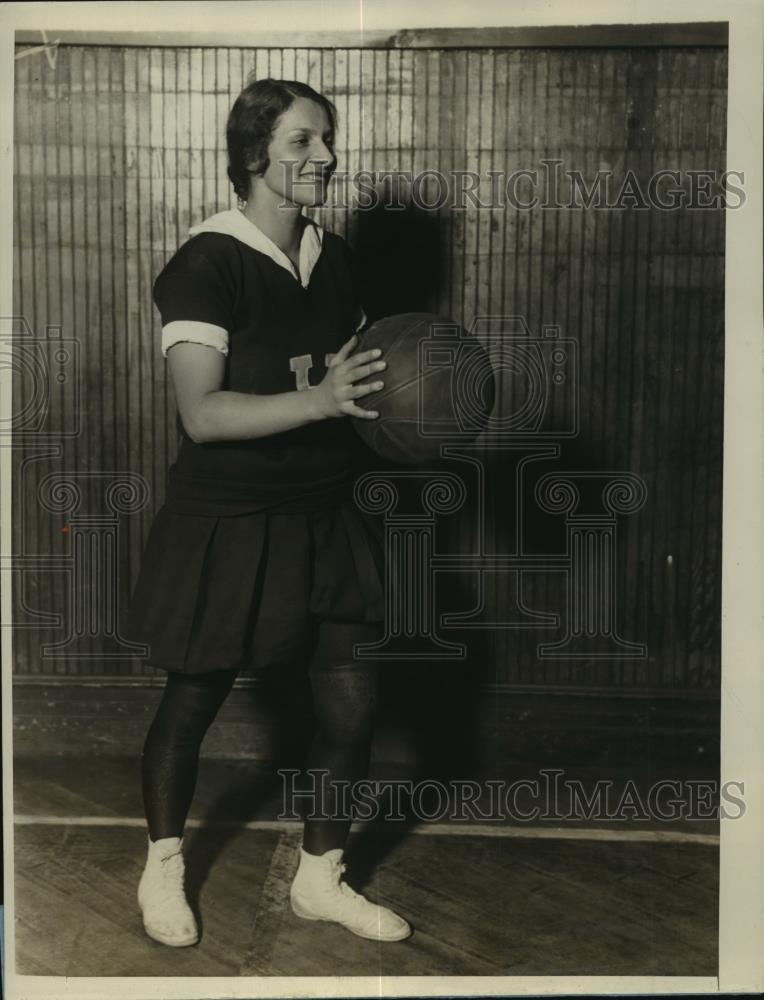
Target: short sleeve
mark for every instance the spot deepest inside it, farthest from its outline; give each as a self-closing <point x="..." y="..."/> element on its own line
<point x="194" y="295"/>
<point x="187" y="331"/>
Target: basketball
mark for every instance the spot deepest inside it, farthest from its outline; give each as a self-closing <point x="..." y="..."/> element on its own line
<point x="439" y="386"/>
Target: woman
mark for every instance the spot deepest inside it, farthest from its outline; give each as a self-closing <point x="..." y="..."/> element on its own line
<point x="258" y="554"/>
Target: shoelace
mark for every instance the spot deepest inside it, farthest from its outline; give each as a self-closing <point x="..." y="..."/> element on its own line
<point x="170" y="889"/>
<point x="335" y="884"/>
<point x="349" y="894"/>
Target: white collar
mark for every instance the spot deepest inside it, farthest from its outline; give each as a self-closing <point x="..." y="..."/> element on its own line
<point x="232" y="222"/>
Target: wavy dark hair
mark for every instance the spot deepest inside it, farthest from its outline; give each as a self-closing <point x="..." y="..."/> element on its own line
<point x="252" y="121"/>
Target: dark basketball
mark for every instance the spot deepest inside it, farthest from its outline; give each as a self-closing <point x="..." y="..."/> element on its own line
<point x="439" y="386"/>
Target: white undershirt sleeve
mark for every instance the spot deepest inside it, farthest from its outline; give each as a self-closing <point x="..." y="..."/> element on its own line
<point x="196" y="333"/>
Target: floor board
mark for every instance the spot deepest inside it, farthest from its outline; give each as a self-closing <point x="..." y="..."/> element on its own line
<point x="479" y="906"/>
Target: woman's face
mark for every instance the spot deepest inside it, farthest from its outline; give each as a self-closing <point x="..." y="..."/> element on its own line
<point x="301" y="156"/>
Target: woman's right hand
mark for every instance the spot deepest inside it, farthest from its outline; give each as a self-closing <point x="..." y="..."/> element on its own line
<point x="337" y="392"/>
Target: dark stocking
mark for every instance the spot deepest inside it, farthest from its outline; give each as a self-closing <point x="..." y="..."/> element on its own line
<point x="171" y="752"/>
<point x="344" y="699"/>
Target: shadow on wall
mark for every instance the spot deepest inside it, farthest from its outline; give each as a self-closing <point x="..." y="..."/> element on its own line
<point x="398" y="256"/>
<point x="426" y="707"/>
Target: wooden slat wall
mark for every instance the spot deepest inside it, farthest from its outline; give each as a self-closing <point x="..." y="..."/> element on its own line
<point x="119" y="150"/>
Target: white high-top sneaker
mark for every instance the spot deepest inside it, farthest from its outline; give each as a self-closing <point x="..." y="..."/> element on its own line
<point x="167" y="917"/>
<point x="317" y="893"/>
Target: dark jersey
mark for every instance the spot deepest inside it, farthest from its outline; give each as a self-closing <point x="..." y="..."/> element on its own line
<point x="281" y="336"/>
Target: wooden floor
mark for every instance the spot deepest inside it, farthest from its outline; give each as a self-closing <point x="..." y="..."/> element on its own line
<point x="479" y="905"/>
<point x="512" y="903"/>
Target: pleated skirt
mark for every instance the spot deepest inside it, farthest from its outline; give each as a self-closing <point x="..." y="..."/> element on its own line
<point x="246" y="592"/>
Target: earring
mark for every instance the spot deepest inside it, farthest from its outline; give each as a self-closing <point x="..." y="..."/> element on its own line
<point x="241" y="202"/>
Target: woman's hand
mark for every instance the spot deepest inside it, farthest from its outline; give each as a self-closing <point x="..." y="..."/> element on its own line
<point x="337" y="393"/>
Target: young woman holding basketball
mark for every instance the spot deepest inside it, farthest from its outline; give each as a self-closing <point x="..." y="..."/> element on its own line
<point x="259" y="554"/>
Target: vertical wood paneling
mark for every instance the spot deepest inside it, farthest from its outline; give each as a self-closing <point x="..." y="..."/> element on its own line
<point x="119" y="150"/>
<point x="24" y="273"/>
